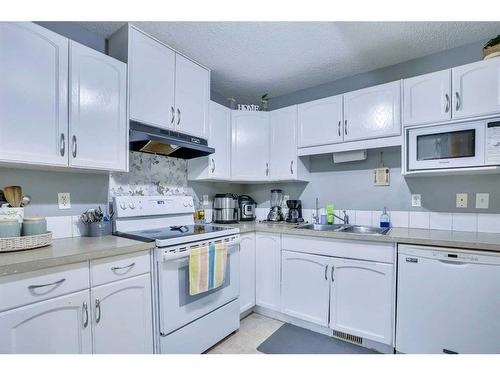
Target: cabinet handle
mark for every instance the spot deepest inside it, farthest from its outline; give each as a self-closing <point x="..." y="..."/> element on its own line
<point x="213" y="165"/>
<point x="31" y="287"/>
<point x="267" y="169"/>
<point x="172" y="111"/>
<point x="333" y="269"/>
<point x="123" y="267"/>
<point x="62" y="145"/>
<point x="326" y="272"/>
<point x="339" y="129"/>
<point x="97" y="310"/>
<point x="178" y="116"/>
<point x="447" y="109"/>
<point x="291" y="167"/>
<point x="85" y="310"/>
<point x="457" y="95"/>
<point x="345" y="127"/>
<point x="74" y="146"/>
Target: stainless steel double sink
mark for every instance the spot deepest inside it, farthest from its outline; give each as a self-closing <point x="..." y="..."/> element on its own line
<point x="345" y="228"/>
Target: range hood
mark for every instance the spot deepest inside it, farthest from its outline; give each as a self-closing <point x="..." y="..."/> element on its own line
<point x="145" y="138"/>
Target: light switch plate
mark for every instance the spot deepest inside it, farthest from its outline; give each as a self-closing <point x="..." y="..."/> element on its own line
<point x="416" y="200"/>
<point x="64" y="200"/>
<point x="205" y="200"/>
<point x="462" y="200"/>
<point x="482" y="200"/>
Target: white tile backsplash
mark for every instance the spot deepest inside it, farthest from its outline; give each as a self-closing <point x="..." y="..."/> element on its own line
<point x="489" y="223"/>
<point x="363" y="217"/>
<point x="399" y="219"/>
<point x="60" y="226"/>
<point x="465" y="222"/>
<point x="78" y="227"/>
<point x="441" y="220"/>
<point x="419" y="220"/>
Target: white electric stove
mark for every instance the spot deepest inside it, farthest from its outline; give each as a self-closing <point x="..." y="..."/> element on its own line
<point x="184" y="323"/>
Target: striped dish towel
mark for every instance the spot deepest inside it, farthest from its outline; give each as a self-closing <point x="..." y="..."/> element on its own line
<point x="207" y="268"/>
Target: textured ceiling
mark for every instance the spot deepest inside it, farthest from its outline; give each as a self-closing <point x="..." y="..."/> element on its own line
<point x="249" y="59"/>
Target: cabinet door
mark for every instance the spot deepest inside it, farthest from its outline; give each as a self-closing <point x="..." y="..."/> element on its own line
<point x="56" y="326"/>
<point x="427" y="98"/>
<point x="247" y="272"/>
<point x="476" y="89"/>
<point x="362" y="299"/>
<point x="192" y="95"/>
<point x="320" y="122"/>
<point x="220" y="139"/>
<point x="372" y="112"/>
<point x="151" y="69"/>
<point x="283" y="150"/>
<point x="98" y="113"/>
<point x="250" y="146"/>
<point x="305" y="291"/>
<point x="267" y="270"/>
<point x="33" y="95"/>
<point x="122" y="316"/>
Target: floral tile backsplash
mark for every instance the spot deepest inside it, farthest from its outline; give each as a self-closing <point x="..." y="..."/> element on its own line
<point x="150" y="175"/>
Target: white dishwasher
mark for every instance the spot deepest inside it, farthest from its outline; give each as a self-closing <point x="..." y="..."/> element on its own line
<point x="448" y="301"/>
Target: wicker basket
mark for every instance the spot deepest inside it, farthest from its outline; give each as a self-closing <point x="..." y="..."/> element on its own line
<point x="491" y="51"/>
<point x="25" y="242"/>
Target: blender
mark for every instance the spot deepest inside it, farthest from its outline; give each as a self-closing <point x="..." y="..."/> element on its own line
<point x="275" y="214"/>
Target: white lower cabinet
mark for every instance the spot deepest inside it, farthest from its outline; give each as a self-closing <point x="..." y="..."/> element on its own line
<point x="362" y="299"/>
<point x="267" y="270"/>
<point x="305" y="289"/>
<point x="56" y="326"/>
<point x="247" y="272"/>
<point x="122" y="317"/>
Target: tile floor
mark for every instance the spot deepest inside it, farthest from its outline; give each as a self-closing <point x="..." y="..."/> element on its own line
<point x="254" y="330"/>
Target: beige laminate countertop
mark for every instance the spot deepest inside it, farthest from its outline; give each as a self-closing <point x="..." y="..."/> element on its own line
<point x="444" y="238"/>
<point x="68" y="250"/>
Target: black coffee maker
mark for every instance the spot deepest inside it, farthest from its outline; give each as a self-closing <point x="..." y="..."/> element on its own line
<point x="294" y="211"/>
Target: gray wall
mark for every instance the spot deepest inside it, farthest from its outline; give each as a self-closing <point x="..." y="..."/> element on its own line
<point x="350" y="186"/>
<point x="77" y="33"/>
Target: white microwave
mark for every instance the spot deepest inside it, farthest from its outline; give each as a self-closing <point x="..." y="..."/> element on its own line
<point x="460" y="145"/>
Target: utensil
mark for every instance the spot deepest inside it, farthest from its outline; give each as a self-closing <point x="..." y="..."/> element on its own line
<point x="25" y="201"/>
<point x="14" y="195"/>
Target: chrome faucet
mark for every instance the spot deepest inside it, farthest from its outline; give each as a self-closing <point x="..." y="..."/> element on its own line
<point x="345" y="219"/>
<point x="316" y="215"/>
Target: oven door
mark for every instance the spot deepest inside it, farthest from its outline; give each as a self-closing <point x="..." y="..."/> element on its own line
<point x="446" y="146"/>
<point x="176" y="306"/>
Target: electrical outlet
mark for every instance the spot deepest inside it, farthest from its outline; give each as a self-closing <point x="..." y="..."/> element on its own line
<point x="482" y="200"/>
<point x="64" y="201"/>
<point x="462" y="200"/>
<point x="205" y="200"/>
<point x="416" y="200"/>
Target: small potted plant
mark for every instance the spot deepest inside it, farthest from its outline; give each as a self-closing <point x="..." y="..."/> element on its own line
<point x="492" y="48"/>
<point x="264" y="100"/>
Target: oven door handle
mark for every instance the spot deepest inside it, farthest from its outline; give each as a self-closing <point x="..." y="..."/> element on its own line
<point x="167" y="257"/>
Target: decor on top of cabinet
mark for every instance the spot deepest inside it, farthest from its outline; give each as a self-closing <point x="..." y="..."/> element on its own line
<point x="492" y="48"/>
<point x="248" y="107"/>
<point x="264" y="100"/>
<point x="98" y="223"/>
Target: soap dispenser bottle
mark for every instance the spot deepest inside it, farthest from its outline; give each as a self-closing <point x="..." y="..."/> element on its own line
<point x="385" y="220"/>
<point x="329" y="214"/>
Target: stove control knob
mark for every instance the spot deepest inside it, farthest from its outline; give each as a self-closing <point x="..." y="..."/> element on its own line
<point x="185" y="204"/>
<point x="123" y="206"/>
<point x="131" y="205"/>
<point x="190" y="204"/>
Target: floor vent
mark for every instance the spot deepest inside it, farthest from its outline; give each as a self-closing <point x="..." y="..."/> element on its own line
<point x="347" y="337"/>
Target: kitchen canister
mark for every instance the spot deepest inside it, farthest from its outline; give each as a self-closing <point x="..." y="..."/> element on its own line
<point x="99" y="228"/>
<point x="9" y="227"/>
<point x="34" y="225"/>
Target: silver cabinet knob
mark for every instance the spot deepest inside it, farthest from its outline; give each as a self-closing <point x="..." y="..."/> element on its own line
<point x="62" y="145"/>
<point x="74" y="146"/>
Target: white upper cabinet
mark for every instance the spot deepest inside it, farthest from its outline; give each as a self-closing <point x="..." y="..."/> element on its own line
<point x="476" y="89"/>
<point x="98" y="113"/>
<point x="166" y="89"/>
<point x="373" y="112"/>
<point x="320" y="122"/>
<point x="250" y="146"/>
<point x="427" y="98"/>
<point x="192" y="95"/>
<point x="362" y="299"/>
<point x="33" y="95"/>
<point x="151" y="70"/>
<point x="56" y="326"/>
<point x="122" y="317"/>
<point x="267" y="270"/>
<point x="283" y="150"/>
<point x="216" y="166"/>
<point x="305" y="286"/>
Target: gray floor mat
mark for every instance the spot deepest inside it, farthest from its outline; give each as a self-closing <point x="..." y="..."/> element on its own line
<point x="290" y="339"/>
